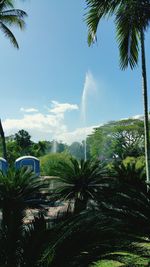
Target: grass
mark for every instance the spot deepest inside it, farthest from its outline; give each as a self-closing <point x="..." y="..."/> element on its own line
<point x="107" y="263"/>
<point x="141" y="257"/>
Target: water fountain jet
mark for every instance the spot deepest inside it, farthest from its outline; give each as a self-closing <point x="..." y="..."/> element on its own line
<point x="89" y="88"/>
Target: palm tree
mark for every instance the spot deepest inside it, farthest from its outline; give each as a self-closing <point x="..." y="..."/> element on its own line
<point x="78" y="181"/>
<point x="9" y="17"/>
<point x="3" y="141"/>
<point x="132" y="18"/>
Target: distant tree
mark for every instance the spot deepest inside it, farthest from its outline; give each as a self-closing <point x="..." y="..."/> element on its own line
<point x="39" y="149"/>
<point x="23" y="140"/>
<point x="51" y="161"/>
<point x="76" y="149"/>
<point x="13" y="152"/>
<point x="61" y="147"/>
<point x="117" y="140"/>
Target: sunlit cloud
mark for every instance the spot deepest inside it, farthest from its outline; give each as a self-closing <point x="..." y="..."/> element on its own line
<point x="28" y="110"/>
<point x="78" y="134"/>
<point x="41" y="126"/>
<point x="61" y="108"/>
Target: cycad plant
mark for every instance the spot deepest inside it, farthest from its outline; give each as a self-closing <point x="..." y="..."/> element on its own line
<point x="115" y="226"/>
<point x="19" y="191"/>
<point x="132" y="18"/>
<point x="78" y="181"/>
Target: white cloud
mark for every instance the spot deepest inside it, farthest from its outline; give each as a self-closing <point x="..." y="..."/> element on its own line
<point x="138" y="117"/>
<point x="61" y="108"/>
<point x="42" y="126"/>
<point x="28" y="110"/>
<point x="77" y="135"/>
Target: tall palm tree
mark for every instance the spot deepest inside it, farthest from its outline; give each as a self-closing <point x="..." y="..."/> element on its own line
<point x="132" y="18"/>
<point x="3" y="141"/>
<point x="9" y="16"/>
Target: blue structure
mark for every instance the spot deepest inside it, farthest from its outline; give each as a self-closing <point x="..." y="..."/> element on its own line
<point x="3" y="165"/>
<point x="30" y="162"/>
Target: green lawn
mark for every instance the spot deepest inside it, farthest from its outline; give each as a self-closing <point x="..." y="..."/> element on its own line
<point x="116" y="259"/>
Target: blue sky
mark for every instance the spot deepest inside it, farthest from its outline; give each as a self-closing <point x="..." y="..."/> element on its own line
<point x="41" y="85"/>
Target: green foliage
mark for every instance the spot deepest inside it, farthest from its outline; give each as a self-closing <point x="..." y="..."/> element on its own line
<point x="130" y="169"/>
<point x="130" y="18"/>
<point x="118" y="140"/>
<point x="77" y="150"/>
<point x="13" y="152"/>
<point x="23" y="140"/>
<point x="113" y="229"/>
<point x="9" y="16"/>
<point x="78" y="181"/>
<point x="50" y="162"/>
<point x="19" y="190"/>
<point x="38" y="149"/>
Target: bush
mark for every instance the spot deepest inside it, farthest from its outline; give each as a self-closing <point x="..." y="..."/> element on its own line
<point x="50" y="162"/>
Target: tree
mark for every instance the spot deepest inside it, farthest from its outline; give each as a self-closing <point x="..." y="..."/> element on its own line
<point x="50" y="162"/>
<point x="13" y="152"/>
<point x="132" y="19"/>
<point x="117" y="140"/>
<point x="9" y="16"/>
<point x="23" y="140"/>
<point x="3" y="141"/>
<point x="76" y="149"/>
<point x="38" y="149"/>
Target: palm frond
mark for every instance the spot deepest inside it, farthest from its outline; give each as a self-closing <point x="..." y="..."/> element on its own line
<point x="13" y="17"/>
<point x="9" y="35"/>
<point x="96" y="11"/>
<point x="128" y="37"/>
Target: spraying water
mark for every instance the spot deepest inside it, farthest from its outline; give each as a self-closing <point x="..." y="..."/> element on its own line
<point x="89" y="88"/>
<point x="54" y="146"/>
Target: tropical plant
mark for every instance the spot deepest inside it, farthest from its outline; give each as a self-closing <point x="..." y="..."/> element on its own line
<point x="130" y="170"/>
<point x="9" y="16"/>
<point x="23" y="140"/>
<point x="3" y="141"/>
<point x="116" y="226"/>
<point x="117" y="139"/>
<point x="50" y="162"/>
<point x="78" y="181"/>
<point x="132" y="18"/>
<point x="19" y="191"/>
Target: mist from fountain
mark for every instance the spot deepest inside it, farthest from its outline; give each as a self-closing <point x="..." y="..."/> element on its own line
<point x="89" y="88"/>
<point x="54" y="147"/>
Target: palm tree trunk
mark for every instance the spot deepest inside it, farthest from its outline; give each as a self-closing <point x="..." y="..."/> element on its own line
<point x="3" y="141"/>
<point x="145" y="99"/>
